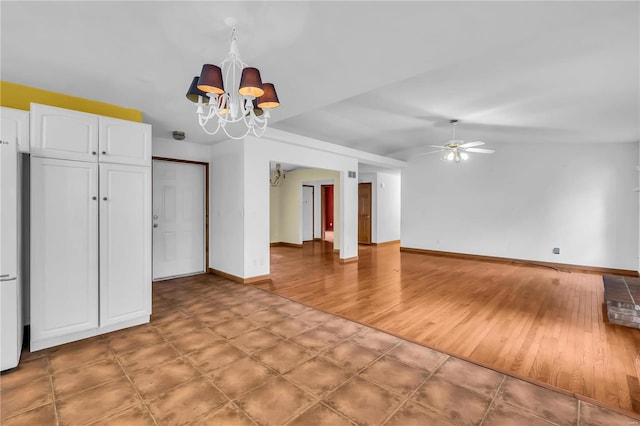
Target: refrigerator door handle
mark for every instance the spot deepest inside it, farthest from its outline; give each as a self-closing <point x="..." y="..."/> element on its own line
<point x="7" y="279"/>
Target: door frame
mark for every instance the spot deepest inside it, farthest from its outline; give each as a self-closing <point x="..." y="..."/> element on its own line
<point x="313" y="212"/>
<point x="370" y="211"/>
<point x="323" y="207"/>
<point x="206" y="201"/>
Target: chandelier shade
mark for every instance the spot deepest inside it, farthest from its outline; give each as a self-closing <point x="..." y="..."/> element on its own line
<point x="251" y="83"/>
<point x="232" y="97"/>
<point x="270" y="98"/>
<point x="194" y="92"/>
<point x="211" y="79"/>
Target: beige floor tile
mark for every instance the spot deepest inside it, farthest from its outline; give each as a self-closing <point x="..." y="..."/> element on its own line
<point x="411" y="414"/>
<point x="284" y="356"/>
<point x="537" y="400"/>
<point x="240" y="376"/>
<point x="247" y="308"/>
<point x="291" y="308"/>
<point x="363" y="402"/>
<point x="79" y="353"/>
<point x="148" y="356"/>
<point x="315" y="339"/>
<point x="591" y="415"/>
<point x="459" y="405"/>
<point x="215" y="356"/>
<point x="351" y="356"/>
<point x="229" y="415"/>
<point x="313" y="316"/>
<point x="179" y="327"/>
<point x="268" y="316"/>
<point x="24" y="373"/>
<point x="318" y="376"/>
<point x="186" y="402"/>
<point x="216" y="316"/>
<point x="234" y="327"/>
<point x="341" y="327"/>
<point x="26" y="397"/>
<point x="320" y="414"/>
<point x="155" y="380"/>
<point x="418" y="356"/>
<point x="133" y="416"/>
<point x="133" y="338"/>
<point x="74" y="380"/>
<point x="375" y="340"/>
<point x="394" y="375"/>
<point x="44" y="415"/>
<point x="275" y="402"/>
<point x="501" y="415"/>
<point x="256" y="340"/>
<point x="195" y="340"/>
<point x="470" y="376"/>
<point x="97" y="403"/>
<point x="167" y="316"/>
<point x="289" y="327"/>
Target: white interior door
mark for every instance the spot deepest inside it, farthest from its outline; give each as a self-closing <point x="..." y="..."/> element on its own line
<point x="178" y="219"/>
<point x="307" y="213"/>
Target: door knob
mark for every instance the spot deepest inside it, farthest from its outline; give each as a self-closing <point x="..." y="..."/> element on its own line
<point x="93" y="153"/>
<point x="104" y="152"/>
<point x="155" y="225"/>
<point x="104" y="198"/>
<point x="94" y="198"/>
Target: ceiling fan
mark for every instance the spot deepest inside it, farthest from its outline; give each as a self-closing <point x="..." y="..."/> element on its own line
<point x="456" y="149"/>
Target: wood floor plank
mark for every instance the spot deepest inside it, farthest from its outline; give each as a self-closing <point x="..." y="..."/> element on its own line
<point x="529" y="321"/>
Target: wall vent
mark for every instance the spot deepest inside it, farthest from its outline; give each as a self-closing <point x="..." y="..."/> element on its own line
<point x="352" y="174"/>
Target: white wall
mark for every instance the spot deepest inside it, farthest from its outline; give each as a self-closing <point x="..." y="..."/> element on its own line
<point x="385" y="204"/>
<point x="388" y="195"/>
<point x="274" y="214"/>
<point x="525" y="200"/>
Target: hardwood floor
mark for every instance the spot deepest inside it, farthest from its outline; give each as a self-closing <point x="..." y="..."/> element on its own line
<point x="530" y="322"/>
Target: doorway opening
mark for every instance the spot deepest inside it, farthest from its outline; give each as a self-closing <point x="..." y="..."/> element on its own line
<point x="364" y="213"/>
<point x="327" y="218"/>
<point x="180" y="218"/>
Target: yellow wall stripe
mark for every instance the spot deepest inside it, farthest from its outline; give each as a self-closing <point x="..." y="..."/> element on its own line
<point x="17" y="96"/>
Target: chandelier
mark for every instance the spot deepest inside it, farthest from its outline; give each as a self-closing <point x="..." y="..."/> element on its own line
<point x="277" y="176"/>
<point x="246" y="100"/>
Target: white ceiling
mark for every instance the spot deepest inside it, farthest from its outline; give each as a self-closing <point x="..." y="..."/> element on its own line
<point x="382" y="77"/>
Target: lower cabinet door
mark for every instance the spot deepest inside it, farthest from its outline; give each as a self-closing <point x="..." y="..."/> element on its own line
<point x="64" y="251"/>
<point x="125" y="243"/>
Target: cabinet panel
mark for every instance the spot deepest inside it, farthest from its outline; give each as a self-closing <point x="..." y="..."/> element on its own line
<point x="16" y="122"/>
<point x="64" y="248"/>
<point x="125" y="142"/>
<point x="125" y="243"/>
<point x="62" y="133"/>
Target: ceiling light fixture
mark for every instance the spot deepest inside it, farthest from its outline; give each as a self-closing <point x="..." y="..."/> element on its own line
<point x="246" y="100"/>
<point x="277" y="176"/>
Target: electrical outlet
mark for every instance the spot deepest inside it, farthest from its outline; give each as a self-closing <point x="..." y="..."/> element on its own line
<point x="556" y="250"/>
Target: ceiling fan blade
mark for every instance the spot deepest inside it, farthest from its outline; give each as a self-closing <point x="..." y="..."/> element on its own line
<point x="436" y="146"/>
<point x="480" y="150"/>
<point x="471" y="144"/>
<point x="430" y="152"/>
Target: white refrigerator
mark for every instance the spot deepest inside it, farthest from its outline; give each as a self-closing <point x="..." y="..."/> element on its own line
<point x="11" y="326"/>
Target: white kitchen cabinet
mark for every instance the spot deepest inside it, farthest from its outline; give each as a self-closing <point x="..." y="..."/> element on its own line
<point x="124" y="142"/>
<point x="64" y="134"/>
<point x="125" y="243"/>
<point x="64" y="250"/>
<point x="16" y="122"/>
<point x="90" y="226"/>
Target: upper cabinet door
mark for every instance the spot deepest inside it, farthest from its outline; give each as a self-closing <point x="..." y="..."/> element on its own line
<point x="125" y="142"/>
<point x="16" y="122"/>
<point x="64" y="134"/>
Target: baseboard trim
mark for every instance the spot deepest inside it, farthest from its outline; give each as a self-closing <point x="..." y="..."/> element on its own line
<point x="386" y="243"/>
<point x="249" y="280"/>
<point x="564" y="267"/>
<point x="283" y="244"/>
<point x="349" y="259"/>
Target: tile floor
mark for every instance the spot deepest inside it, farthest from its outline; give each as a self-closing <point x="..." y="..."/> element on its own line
<point x="218" y="352"/>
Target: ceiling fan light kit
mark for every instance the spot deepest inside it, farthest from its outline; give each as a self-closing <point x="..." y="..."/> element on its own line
<point x="456" y="149"/>
<point x="246" y="99"/>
